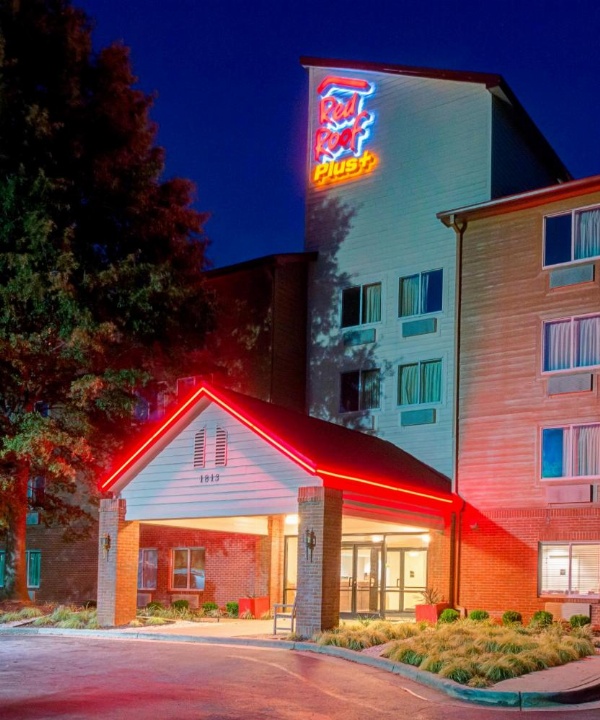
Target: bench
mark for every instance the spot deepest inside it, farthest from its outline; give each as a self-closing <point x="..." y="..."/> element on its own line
<point x="284" y="613"/>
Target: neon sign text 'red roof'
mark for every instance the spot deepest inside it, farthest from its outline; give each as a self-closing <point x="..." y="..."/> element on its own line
<point x="344" y="126"/>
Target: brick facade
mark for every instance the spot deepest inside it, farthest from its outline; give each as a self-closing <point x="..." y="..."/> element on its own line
<point x="69" y="568"/>
<point x="499" y="555"/>
<point x="236" y="565"/>
<point x="117" y="566"/>
<point x="318" y="597"/>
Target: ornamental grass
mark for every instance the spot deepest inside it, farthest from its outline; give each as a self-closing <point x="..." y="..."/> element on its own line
<point x="479" y="653"/>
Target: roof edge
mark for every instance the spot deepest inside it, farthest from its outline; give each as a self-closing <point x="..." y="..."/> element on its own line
<point x="521" y="201"/>
<point x="487" y="79"/>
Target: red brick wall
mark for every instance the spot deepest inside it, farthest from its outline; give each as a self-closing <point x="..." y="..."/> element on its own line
<point x="69" y="570"/>
<point x="236" y="565"/>
<point x="499" y="554"/>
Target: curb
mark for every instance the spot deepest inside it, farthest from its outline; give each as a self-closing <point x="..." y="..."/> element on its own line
<point x="479" y="696"/>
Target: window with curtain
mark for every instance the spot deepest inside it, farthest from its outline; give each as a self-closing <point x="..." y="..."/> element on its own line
<point x="360" y="390"/>
<point x="34" y="567"/>
<point x="569" y="568"/>
<point x="420" y="294"/>
<point x="420" y="383"/>
<point x="572" y="343"/>
<point x="571" y="451"/>
<point x="147" y="568"/>
<point x="361" y="305"/>
<point x="572" y="236"/>
<point x="187" y="568"/>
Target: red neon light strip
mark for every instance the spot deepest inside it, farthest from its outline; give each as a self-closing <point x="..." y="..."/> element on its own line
<point x="351" y="83"/>
<point x="152" y="439"/>
<point x="282" y="447"/>
<point x="384" y="485"/>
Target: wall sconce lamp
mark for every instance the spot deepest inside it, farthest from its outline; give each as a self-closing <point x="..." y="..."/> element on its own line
<point x="310" y="540"/>
<point x="106" y="542"/>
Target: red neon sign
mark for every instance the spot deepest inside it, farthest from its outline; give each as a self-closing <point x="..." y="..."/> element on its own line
<point x="344" y="126"/>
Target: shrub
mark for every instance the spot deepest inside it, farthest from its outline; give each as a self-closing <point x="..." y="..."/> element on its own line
<point x="579" y="620"/>
<point x="449" y="615"/>
<point x="209" y="606"/>
<point x="479" y="615"/>
<point x="233" y="608"/>
<point x="180" y="604"/>
<point x="154" y="606"/>
<point x="541" y="618"/>
<point x="511" y="617"/>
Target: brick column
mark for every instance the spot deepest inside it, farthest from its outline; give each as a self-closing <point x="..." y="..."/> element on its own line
<point x="117" y="568"/>
<point x="277" y="541"/>
<point x="318" y="596"/>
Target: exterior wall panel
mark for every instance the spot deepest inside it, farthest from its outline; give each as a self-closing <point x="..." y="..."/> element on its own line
<point x="433" y="140"/>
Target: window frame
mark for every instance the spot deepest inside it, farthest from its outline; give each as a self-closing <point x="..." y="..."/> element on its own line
<point x="419" y="364"/>
<point x="360" y="391"/>
<point x="361" y="306"/>
<point x="28" y="555"/>
<point x="572" y="214"/>
<point x="189" y="587"/>
<point x="141" y="564"/>
<point x="570" y="427"/>
<point x="421" y="312"/>
<point x="572" y="319"/>
<point x="568" y="544"/>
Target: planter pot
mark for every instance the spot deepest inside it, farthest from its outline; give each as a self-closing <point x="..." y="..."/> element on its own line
<point x="256" y="606"/>
<point x="429" y="613"/>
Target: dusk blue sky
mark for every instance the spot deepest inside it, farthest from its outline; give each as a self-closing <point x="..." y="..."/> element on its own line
<point x="231" y="101"/>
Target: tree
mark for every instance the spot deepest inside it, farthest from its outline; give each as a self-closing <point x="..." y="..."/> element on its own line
<point x="101" y="285"/>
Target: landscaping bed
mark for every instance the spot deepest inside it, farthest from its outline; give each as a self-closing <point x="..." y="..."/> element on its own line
<point x="477" y="653"/>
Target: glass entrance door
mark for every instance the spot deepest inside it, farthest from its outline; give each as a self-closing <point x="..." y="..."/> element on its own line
<point x="405" y="578"/>
<point x="360" y="579"/>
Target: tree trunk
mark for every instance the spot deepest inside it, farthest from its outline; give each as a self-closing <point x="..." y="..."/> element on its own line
<point x="16" y="559"/>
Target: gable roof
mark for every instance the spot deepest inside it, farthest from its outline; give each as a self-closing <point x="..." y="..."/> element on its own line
<point x="339" y="456"/>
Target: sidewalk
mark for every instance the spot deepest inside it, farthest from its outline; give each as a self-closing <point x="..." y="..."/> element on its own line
<point x="573" y="683"/>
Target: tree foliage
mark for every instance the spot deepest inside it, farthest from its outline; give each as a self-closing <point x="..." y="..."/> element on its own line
<point x="101" y="289"/>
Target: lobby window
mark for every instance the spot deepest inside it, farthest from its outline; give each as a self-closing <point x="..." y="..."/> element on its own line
<point x="361" y="305"/>
<point x="420" y="383"/>
<point x="187" y="568"/>
<point x="569" y="569"/>
<point x="572" y="343"/>
<point x="572" y="236"/>
<point x="571" y="451"/>
<point x="360" y="390"/>
<point x="147" y="567"/>
<point x="34" y="566"/>
<point x="420" y="294"/>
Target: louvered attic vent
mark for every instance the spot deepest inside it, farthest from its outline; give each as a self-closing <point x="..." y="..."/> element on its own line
<point x="221" y="447"/>
<point x="200" y="448"/>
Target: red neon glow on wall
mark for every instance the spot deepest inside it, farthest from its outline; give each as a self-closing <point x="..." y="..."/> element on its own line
<point x="335" y="478"/>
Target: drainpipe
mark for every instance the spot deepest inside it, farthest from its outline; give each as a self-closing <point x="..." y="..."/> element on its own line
<point x="456" y="523"/>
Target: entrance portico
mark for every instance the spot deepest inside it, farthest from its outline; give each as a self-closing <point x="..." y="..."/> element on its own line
<point x="227" y="463"/>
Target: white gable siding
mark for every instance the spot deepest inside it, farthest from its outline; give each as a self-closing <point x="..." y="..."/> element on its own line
<point x="257" y="480"/>
<point x="433" y="142"/>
